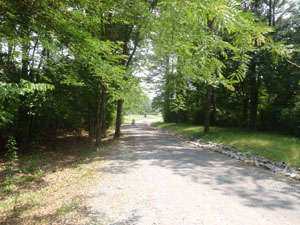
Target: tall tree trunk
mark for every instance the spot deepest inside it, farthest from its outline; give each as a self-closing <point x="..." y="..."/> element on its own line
<point x="214" y="112"/>
<point x="98" y="121"/>
<point x="104" y="125"/>
<point x="119" y="118"/>
<point x="270" y="12"/>
<point x="179" y="117"/>
<point x="245" y="111"/>
<point x="254" y="100"/>
<point x="129" y="30"/>
<point x="207" y="108"/>
<point x="167" y="95"/>
<point x="24" y="119"/>
<point x="54" y="132"/>
<point x="100" y="113"/>
<point x="273" y="16"/>
<point x="91" y="129"/>
<point x="25" y="61"/>
<point x="91" y="122"/>
<point x="245" y="102"/>
<point x="28" y="132"/>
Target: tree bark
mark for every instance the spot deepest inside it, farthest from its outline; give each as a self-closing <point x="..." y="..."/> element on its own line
<point x="119" y="118"/>
<point x="214" y="112"/>
<point x="245" y="102"/>
<point x="270" y="12"/>
<point x="54" y="132"/>
<point x="245" y="111"/>
<point x="167" y="95"/>
<point x="100" y="113"/>
<point x="104" y="126"/>
<point x="254" y="100"/>
<point x="207" y="108"/>
<point x="91" y="122"/>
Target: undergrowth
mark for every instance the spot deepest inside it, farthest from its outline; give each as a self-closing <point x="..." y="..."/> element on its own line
<point x="46" y="186"/>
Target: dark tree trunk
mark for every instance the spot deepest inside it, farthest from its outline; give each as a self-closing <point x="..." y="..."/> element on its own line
<point x="25" y="61"/>
<point x="214" y="112"/>
<point x="100" y="113"/>
<point x="104" y="126"/>
<point x="98" y="121"/>
<point x="179" y="116"/>
<point x="24" y="119"/>
<point x="91" y="130"/>
<point x="28" y="133"/>
<point x="91" y="122"/>
<point x="119" y="118"/>
<point x="167" y="95"/>
<point x="245" y="111"/>
<point x="254" y="100"/>
<point x="270" y="12"/>
<point x="245" y="102"/>
<point x="207" y="108"/>
<point x="273" y="16"/>
<point x="54" y="132"/>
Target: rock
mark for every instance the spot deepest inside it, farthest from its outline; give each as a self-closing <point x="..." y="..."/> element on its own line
<point x="254" y="160"/>
<point x="269" y="167"/>
<point x="277" y="170"/>
<point x="282" y="164"/>
<point x="294" y="175"/>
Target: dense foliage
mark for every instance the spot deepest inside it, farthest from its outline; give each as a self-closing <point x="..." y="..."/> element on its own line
<point x="228" y="63"/>
<point x="67" y="66"/>
<point x="64" y="65"/>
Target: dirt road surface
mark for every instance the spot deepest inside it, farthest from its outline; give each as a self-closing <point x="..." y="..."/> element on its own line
<point x="152" y="178"/>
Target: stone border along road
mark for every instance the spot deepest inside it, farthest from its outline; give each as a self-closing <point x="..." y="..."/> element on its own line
<point x="152" y="178"/>
<point x="259" y="161"/>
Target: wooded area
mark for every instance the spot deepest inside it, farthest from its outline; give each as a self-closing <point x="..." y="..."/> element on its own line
<point x="65" y="67"/>
<point x="219" y="65"/>
<point x="68" y="66"/>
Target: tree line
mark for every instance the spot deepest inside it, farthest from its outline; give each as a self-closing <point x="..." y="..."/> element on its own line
<point x="65" y="66"/>
<point x="69" y="65"/>
<point x="232" y="63"/>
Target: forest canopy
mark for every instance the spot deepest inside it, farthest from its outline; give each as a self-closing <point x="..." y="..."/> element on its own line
<point x="68" y="66"/>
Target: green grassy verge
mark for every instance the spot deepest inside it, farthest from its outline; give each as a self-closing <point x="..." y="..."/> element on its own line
<point x="128" y="119"/>
<point x="275" y="147"/>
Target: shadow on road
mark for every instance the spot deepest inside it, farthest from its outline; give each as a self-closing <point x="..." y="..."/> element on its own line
<point x="254" y="187"/>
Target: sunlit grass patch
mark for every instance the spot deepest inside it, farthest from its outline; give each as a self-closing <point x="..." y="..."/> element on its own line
<point x="276" y="147"/>
<point x="67" y="207"/>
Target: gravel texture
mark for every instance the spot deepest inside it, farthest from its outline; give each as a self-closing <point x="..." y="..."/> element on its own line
<point x="259" y="161"/>
<point x="152" y="178"/>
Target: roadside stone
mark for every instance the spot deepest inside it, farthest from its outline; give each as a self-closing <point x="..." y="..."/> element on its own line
<point x="293" y="175"/>
<point x="253" y="160"/>
<point x="269" y="167"/>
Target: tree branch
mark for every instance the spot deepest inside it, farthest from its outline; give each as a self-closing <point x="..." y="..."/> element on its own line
<point x="294" y="64"/>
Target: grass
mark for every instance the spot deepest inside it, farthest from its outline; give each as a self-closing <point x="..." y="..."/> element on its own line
<point x="129" y="118"/>
<point x="273" y="146"/>
<point x="49" y="187"/>
<point x="67" y="207"/>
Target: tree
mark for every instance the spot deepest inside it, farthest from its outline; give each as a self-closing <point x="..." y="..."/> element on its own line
<point x="201" y="37"/>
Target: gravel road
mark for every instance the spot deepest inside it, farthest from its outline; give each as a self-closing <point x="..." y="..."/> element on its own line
<point x="152" y="178"/>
